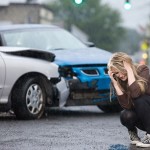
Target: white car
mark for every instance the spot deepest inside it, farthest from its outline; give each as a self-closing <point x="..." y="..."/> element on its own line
<point x="27" y="80"/>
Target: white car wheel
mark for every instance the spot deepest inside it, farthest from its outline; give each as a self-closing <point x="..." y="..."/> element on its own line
<point x="34" y="99"/>
<point x="28" y="98"/>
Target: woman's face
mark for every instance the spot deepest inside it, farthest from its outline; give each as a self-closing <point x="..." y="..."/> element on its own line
<point x="120" y="75"/>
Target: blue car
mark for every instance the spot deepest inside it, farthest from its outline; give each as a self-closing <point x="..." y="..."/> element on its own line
<point x="82" y="67"/>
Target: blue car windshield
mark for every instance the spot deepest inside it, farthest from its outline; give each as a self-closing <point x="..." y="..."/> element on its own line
<point x="46" y="39"/>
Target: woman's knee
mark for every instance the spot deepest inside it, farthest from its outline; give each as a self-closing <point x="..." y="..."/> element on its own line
<point x="127" y="117"/>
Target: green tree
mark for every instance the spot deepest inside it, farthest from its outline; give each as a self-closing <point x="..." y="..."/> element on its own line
<point x="99" y="21"/>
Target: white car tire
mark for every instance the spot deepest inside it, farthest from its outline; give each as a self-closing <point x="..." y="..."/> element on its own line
<point x="28" y="98"/>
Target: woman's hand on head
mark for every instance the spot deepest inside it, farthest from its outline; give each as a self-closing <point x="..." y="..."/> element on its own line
<point x="127" y="66"/>
<point x="110" y="73"/>
<point x="130" y="73"/>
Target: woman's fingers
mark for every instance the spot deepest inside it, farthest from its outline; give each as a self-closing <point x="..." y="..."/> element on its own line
<point x="110" y="73"/>
<point x="126" y="65"/>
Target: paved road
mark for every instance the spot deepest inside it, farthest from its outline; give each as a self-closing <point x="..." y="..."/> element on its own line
<point x="74" y="128"/>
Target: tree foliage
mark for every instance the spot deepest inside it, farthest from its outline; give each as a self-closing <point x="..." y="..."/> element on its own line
<point x="100" y="22"/>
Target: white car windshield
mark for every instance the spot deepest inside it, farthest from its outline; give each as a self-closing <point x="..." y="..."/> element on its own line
<point x="46" y="39"/>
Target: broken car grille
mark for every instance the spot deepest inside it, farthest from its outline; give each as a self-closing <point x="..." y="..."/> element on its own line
<point x="90" y="72"/>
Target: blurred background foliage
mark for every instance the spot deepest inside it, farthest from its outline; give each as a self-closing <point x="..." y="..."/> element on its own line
<point x="100" y="22"/>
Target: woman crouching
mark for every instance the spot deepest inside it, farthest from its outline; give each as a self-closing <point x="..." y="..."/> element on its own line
<point x="132" y="85"/>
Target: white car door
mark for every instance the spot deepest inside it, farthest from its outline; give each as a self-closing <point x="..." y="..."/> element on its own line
<point x="2" y="75"/>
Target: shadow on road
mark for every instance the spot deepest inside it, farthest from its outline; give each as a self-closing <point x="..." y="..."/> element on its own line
<point x="83" y="111"/>
<point x="77" y="112"/>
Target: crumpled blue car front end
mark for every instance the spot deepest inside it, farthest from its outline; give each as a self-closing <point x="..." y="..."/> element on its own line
<point x="85" y="75"/>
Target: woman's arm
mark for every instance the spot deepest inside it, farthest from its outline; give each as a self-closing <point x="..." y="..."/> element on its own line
<point x="130" y="74"/>
<point x="144" y="72"/>
<point x="134" y="87"/>
<point x="118" y="90"/>
<point x="123" y="98"/>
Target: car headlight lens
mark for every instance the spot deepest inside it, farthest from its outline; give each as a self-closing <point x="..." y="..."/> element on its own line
<point x="66" y="72"/>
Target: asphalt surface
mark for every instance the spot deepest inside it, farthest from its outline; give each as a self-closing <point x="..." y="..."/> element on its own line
<point x="73" y="128"/>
